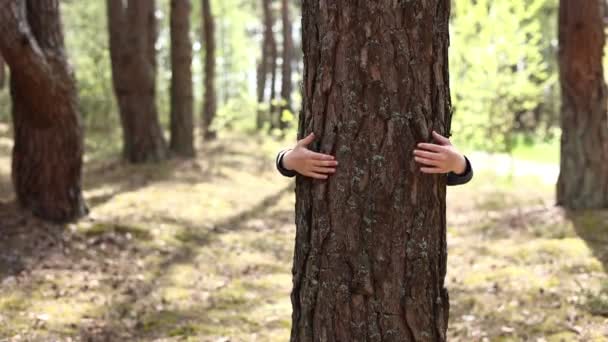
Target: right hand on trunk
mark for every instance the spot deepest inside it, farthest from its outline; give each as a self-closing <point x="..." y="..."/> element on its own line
<point x="309" y="163"/>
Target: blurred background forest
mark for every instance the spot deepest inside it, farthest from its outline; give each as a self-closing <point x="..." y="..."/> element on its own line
<point x="501" y="103"/>
<point x="200" y="247"/>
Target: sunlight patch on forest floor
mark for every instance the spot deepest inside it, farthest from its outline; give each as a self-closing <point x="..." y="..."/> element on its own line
<point x="201" y="250"/>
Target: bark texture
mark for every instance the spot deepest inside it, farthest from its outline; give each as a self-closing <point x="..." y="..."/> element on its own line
<point x="132" y="26"/>
<point x="210" y="97"/>
<point x="370" y="254"/>
<point x="286" y="82"/>
<point x="48" y="141"/>
<point x="583" y="180"/>
<point x="182" y="126"/>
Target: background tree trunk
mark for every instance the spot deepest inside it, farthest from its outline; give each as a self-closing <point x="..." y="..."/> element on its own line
<point x="286" y="83"/>
<point x="265" y="66"/>
<point x="132" y="26"/>
<point x="370" y="252"/>
<point x="272" y="68"/>
<point x="583" y="180"/>
<point x="210" y="98"/>
<point x="48" y="141"/>
<point x="182" y="126"/>
<point x="2" y="73"/>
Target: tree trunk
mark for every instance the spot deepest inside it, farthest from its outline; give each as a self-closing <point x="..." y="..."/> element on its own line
<point x="182" y="126"/>
<point x="272" y="68"/>
<point x="583" y="180"/>
<point x="265" y="66"/>
<point x="2" y="73"/>
<point x="48" y="138"/>
<point x="210" y="98"/>
<point x="370" y="252"/>
<point x="286" y="83"/>
<point x="132" y="26"/>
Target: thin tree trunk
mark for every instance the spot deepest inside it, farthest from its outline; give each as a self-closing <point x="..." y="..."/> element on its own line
<point x="286" y="83"/>
<point x="210" y="98"/>
<point x="272" y="98"/>
<point x="182" y="126"/>
<point x="370" y="253"/>
<point x="48" y="138"/>
<point x="265" y="67"/>
<point x="2" y="73"/>
<point x="583" y="180"/>
<point x="132" y="26"/>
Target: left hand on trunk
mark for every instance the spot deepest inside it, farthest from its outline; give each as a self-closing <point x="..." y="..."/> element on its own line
<point x="442" y="157"/>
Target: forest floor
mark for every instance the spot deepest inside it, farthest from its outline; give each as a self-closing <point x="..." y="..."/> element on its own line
<point x="201" y="250"/>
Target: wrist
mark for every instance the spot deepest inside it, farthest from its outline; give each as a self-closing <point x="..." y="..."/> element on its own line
<point x="287" y="164"/>
<point x="461" y="167"/>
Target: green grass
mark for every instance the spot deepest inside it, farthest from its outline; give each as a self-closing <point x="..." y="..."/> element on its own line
<point x="201" y="250"/>
<point x="541" y="152"/>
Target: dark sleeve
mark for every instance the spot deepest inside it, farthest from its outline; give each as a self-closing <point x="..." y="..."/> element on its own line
<point x="281" y="168"/>
<point x="465" y="177"/>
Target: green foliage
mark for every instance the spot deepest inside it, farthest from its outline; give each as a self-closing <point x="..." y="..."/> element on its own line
<point x="499" y="73"/>
<point x="87" y="43"/>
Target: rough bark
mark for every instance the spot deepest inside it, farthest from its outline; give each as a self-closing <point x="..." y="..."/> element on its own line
<point x="370" y="252"/>
<point x="132" y="26"/>
<point x="182" y="125"/>
<point x="48" y="138"/>
<point x="583" y="180"/>
<point x="210" y="97"/>
<point x="286" y="82"/>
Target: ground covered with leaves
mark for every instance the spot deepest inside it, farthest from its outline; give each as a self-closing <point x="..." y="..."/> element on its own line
<point x="201" y="250"/>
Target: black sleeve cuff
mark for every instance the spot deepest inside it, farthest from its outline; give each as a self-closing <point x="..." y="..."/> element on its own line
<point x="281" y="168"/>
<point x="465" y="177"/>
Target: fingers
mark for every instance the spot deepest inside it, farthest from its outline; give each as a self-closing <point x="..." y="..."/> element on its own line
<point x="431" y="170"/>
<point x="307" y="141"/>
<point x="429" y="155"/>
<point x="441" y="139"/>
<point x="321" y="156"/>
<point x="324" y="170"/>
<point x="431" y="147"/>
<point x="329" y="163"/>
<point x="427" y="161"/>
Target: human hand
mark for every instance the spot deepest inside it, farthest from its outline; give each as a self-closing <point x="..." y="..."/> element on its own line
<point x="442" y="157"/>
<point x="309" y="163"/>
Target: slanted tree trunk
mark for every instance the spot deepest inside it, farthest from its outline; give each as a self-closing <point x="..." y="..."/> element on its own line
<point x="48" y="138"/>
<point x="2" y="73"/>
<point x="583" y="180"/>
<point x="286" y="83"/>
<point x="182" y="125"/>
<point x="210" y="98"/>
<point x="132" y="26"/>
<point x="370" y="252"/>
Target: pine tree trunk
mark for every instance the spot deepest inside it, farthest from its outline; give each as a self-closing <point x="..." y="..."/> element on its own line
<point x="583" y="180"/>
<point x="286" y="83"/>
<point x="182" y="126"/>
<point x="370" y="252"/>
<point x="132" y="26"/>
<point x="265" y="66"/>
<point x="272" y="68"/>
<point x="48" y="138"/>
<point x="2" y="73"/>
<point x="210" y="98"/>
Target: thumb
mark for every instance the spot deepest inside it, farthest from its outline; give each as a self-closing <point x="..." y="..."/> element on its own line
<point x="441" y="139"/>
<point x="307" y="141"/>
